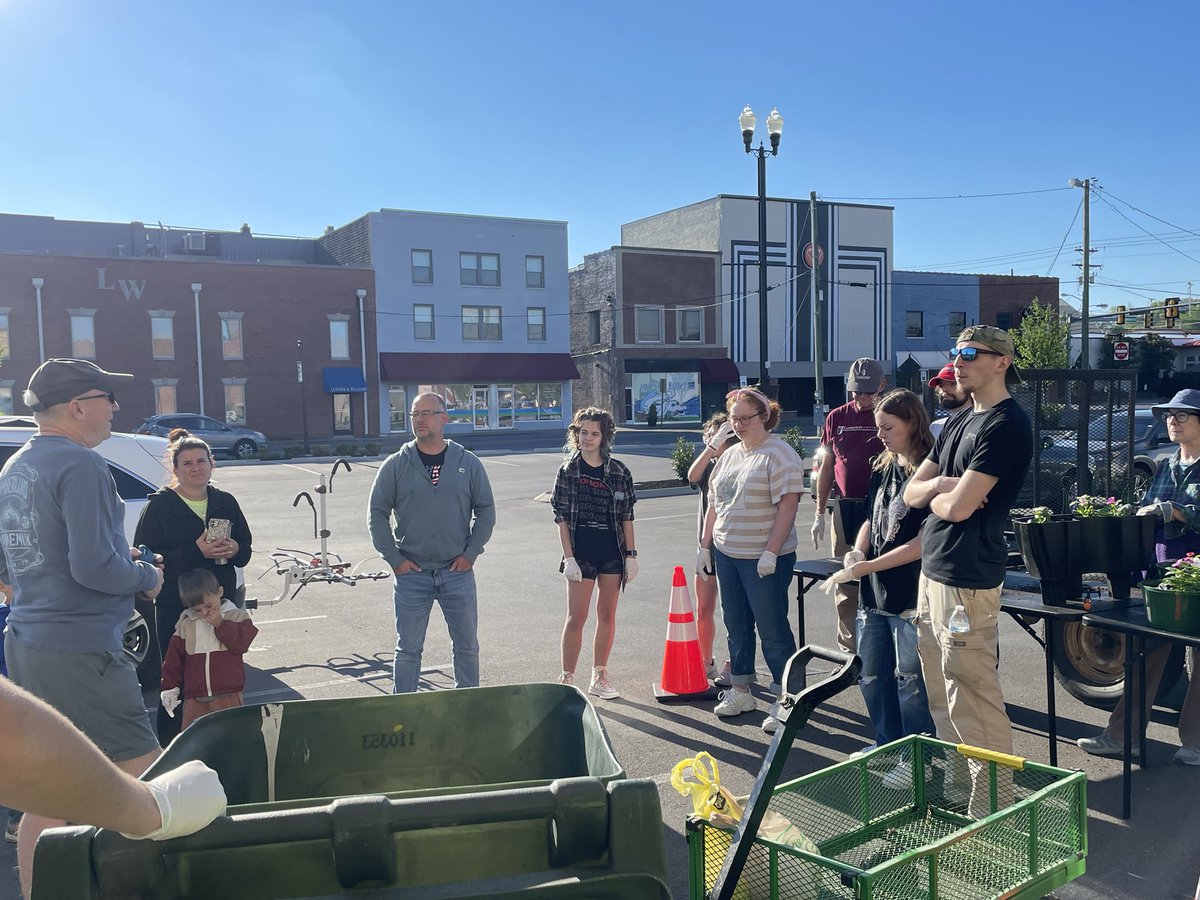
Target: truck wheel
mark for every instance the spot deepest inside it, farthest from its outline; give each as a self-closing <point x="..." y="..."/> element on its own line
<point x="1090" y="664"/>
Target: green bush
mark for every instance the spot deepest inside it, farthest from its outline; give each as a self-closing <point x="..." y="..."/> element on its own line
<point x="652" y="415"/>
<point x="347" y="450"/>
<point x="373" y="448"/>
<point x="290" y="450"/>
<point x="322" y="450"/>
<point x="795" y="437"/>
<point x="683" y="454"/>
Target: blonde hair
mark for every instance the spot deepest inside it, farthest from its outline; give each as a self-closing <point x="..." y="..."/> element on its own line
<point x="907" y="407"/>
<point x="765" y="406"/>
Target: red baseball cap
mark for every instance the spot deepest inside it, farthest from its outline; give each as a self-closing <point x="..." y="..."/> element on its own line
<point x="947" y="374"/>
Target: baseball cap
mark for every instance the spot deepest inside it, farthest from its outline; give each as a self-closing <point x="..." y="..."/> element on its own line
<point x="996" y="339"/>
<point x="947" y="374"/>
<point x="58" y="380"/>
<point x="866" y="375"/>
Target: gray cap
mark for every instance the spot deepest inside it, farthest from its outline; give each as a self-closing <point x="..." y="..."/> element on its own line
<point x="1188" y="399"/>
<point x="59" y="380"/>
<point x="866" y="375"/>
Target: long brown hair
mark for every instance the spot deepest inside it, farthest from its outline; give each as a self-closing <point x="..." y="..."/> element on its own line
<point x="608" y="428"/>
<point x="181" y="439"/>
<point x="907" y="407"/>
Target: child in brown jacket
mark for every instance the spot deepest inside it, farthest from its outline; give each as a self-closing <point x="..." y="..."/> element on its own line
<point x="204" y="657"/>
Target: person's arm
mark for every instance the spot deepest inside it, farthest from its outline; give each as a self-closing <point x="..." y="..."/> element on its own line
<point x="785" y="521"/>
<point x="968" y="494"/>
<point x="88" y="508"/>
<point x="627" y="525"/>
<point x="239" y="532"/>
<point x="700" y="465"/>
<point x="483" y="507"/>
<point x="52" y="770"/>
<point x="926" y="484"/>
<point x="862" y="543"/>
<point x="236" y="633"/>
<point x="379" y="513"/>
<point x="710" y="522"/>
<point x="910" y="551"/>
<point x="172" y="664"/>
<point x="825" y="480"/>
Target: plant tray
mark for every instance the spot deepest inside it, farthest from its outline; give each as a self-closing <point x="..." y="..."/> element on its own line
<point x="1024" y="834"/>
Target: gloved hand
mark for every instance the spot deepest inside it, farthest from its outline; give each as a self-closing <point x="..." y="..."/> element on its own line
<point x="170" y="700"/>
<point x="855" y="555"/>
<point x="572" y="571"/>
<point x="188" y="798"/>
<point x="839" y="577"/>
<point x="704" y="563"/>
<point x="721" y="437"/>
<point x="631" y="569"/>
<point x="1164" y="509"/>
<point x="818" y="530"/>
<point x="766" y="564"/>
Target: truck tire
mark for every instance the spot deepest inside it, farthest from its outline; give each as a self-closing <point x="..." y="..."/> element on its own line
<point x="1090" y="665"/>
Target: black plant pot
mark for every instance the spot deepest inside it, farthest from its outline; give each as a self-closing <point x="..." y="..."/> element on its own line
<point x="1061" y="549"/>
<point x="1052" y="552"/>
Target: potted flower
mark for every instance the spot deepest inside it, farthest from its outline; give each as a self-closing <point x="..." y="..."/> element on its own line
<point x="1173" y="601"/>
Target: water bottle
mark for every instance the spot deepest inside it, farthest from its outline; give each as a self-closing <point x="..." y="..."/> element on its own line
<point x="960" y="622"/>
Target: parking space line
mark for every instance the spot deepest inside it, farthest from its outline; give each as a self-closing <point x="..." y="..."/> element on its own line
<point x="369" y="676"/>
<point x="687" y="515"/>
<point x="296" y="619"/>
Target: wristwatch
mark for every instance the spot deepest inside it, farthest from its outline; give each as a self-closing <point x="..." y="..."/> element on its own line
<point x="632" y="553"/>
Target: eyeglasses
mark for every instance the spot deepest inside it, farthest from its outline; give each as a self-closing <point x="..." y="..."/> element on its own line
<point x="744" y="420"/>
<point x="1179" y="415"/>
<point x="426" y="413"/>
<point x="969" y="354"/>
<point x="110" y="397"/>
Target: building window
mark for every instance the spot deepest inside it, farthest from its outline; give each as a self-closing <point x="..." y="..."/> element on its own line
<point x="481" y="323"/>
<point x="341" y="414"/>
<point x="479" y="269"/>
<point x="339" y="337"/>
<point x="422" y="266"/>
<point x="594" y="326"/>
<point x="956" y="322"/>
<point x="5" y="347"/>
<point x="538" y="402"/>
<point x="235" y="401"/>
<point x="6" y="398"/>
<point x="422" y="322"/>
<point x="536" y="317"/>
<point x="689" y="325"/>
<point x="649" y="324"/>
<point x="1004" y="320"/>
<point x="231" y="336"/>
<point x="914" y="323"/>
<point x="164" y="397"/>
<point x="535" y="271"/>
<point x="83" y="333"/>
<point x="162" y="334"/>
<point x="397" y="408"/>
<point x="460" y="402"/>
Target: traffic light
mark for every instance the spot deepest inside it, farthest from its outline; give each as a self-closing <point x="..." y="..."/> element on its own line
<point x="1172" y="310"/>
<point x="1149" y="320"/>
<point x="1121" y="315"/>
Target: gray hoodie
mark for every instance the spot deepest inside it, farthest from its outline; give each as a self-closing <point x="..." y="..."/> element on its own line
<point x="411" y="518"/>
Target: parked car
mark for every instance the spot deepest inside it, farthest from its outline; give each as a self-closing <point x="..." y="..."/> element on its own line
<point x="236" y="440"/>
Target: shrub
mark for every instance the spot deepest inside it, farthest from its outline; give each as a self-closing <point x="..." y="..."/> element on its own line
<point x="652" y="415"/>
<point x="373" y="448"/>
<point x="291" y="450"/>
<point x="683" y="454"/>
<point x="796" y="439"/>
<point x="347" y="450"/>
<point x="322" y="450"/>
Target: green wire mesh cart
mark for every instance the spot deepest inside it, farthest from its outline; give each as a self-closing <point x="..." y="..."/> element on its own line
<point x="963" y="823"/>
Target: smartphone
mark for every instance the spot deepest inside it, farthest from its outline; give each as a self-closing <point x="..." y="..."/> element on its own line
<point x="218" y="530"/>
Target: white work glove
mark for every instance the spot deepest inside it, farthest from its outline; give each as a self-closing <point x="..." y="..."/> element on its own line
<point x="721" y="437"/>
<point x="188" y="798"/>
<point x="766" y="564"/>
<point x="818" y="530"/>
<point x="572" y="571"/>
<point x="839" y="577"/>
<point x="704" y="563"/>
<point x="854" y="556"/>
<point x="631" y="569"/>
<point x="170" y="700"/>
<point x="1164" y="509"/>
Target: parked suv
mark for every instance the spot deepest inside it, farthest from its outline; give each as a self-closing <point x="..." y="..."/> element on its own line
<point x="236" y="440"/>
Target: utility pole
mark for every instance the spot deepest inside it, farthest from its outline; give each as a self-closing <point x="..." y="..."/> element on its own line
<point x="1084" y="324"/>
<point x="818" y="317"/>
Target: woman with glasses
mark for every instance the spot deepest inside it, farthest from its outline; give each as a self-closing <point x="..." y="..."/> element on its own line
<point x="593" y="508"/>
<point x="749" y="540"/>
<point x="184" y="523"/>
<point x="1174" y="499"/>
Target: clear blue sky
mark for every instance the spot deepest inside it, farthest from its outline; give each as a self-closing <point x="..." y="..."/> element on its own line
<point x="294" y="115"/>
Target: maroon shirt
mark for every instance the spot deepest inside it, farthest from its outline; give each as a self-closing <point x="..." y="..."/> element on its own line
<point x="852" y="436"/>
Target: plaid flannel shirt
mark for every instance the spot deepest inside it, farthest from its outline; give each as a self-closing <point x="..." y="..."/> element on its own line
<point x="620" y="482"/>
<point x="1181" y="485"/>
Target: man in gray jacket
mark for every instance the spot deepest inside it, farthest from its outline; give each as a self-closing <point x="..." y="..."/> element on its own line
<point x="430" y="513"/>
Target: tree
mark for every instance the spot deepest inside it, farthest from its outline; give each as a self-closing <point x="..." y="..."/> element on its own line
<point x="1153" y="355"/>
<point x="1041" y="338"/>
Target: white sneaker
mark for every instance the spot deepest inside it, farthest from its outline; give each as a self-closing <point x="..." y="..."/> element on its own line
<point x="901" y="777"/>
<point x="723" y="678"/>
<point x="771" y="723"/>
<point x="566" y="678"/>
<point x="733" y="703"/>
<point x="601" y="686"/>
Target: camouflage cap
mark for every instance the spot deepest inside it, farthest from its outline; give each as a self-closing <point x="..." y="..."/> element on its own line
<point x="996" y="339"/>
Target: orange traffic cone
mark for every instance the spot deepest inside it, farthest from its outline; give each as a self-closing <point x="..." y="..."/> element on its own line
<point x="683" y="676"/>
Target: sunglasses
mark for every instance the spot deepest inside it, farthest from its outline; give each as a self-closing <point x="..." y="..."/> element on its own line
<point x="107" y="395"/>
<point x="969" y="354"/>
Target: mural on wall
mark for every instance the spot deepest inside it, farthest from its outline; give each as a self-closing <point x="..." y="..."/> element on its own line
<point x="676" y="393"/>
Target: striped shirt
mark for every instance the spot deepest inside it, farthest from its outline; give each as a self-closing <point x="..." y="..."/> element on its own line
<point x="745" y="488"/>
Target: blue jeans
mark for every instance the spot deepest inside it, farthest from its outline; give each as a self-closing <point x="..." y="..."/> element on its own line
<point x="414" y="594"/>
<point x="891" y="682"/>
<point x="747" y="602"/>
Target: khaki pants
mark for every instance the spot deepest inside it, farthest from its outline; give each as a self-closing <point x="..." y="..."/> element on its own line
<point x="1189" y="716"/>
<point x="961" y="678"/>
<point x="845" y="596"/>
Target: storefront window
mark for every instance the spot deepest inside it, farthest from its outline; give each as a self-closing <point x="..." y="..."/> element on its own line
<point x="341" y="413"/>
<point x="459" y="406"/>
<point x="397" y="409"/>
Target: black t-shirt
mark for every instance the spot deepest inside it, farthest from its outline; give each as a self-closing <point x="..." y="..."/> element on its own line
<point x="433" y="463"/>
<point x="893" y="522"/>
<point x="594" y="539"/>
<point x="998" y="442"/>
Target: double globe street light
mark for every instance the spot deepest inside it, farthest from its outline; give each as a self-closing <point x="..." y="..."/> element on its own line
<point x="747" y="121"/>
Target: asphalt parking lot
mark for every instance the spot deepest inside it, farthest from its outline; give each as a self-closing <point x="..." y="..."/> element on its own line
<point x="336" y="641"/>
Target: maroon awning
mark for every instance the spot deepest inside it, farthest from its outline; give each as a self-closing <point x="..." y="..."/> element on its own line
<point x="451" y="368"/>
<point x="721" y="370"/>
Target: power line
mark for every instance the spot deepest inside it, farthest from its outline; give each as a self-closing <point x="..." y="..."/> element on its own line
<point x="953" y="196"/>
<point x="1063" y="243"/>
<point x="1110" y="205"/>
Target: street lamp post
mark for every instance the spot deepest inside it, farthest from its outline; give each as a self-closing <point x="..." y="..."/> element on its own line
<point x="774" y="130"/>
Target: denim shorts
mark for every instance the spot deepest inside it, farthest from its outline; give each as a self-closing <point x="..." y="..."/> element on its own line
<point x="591" y="569"/>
